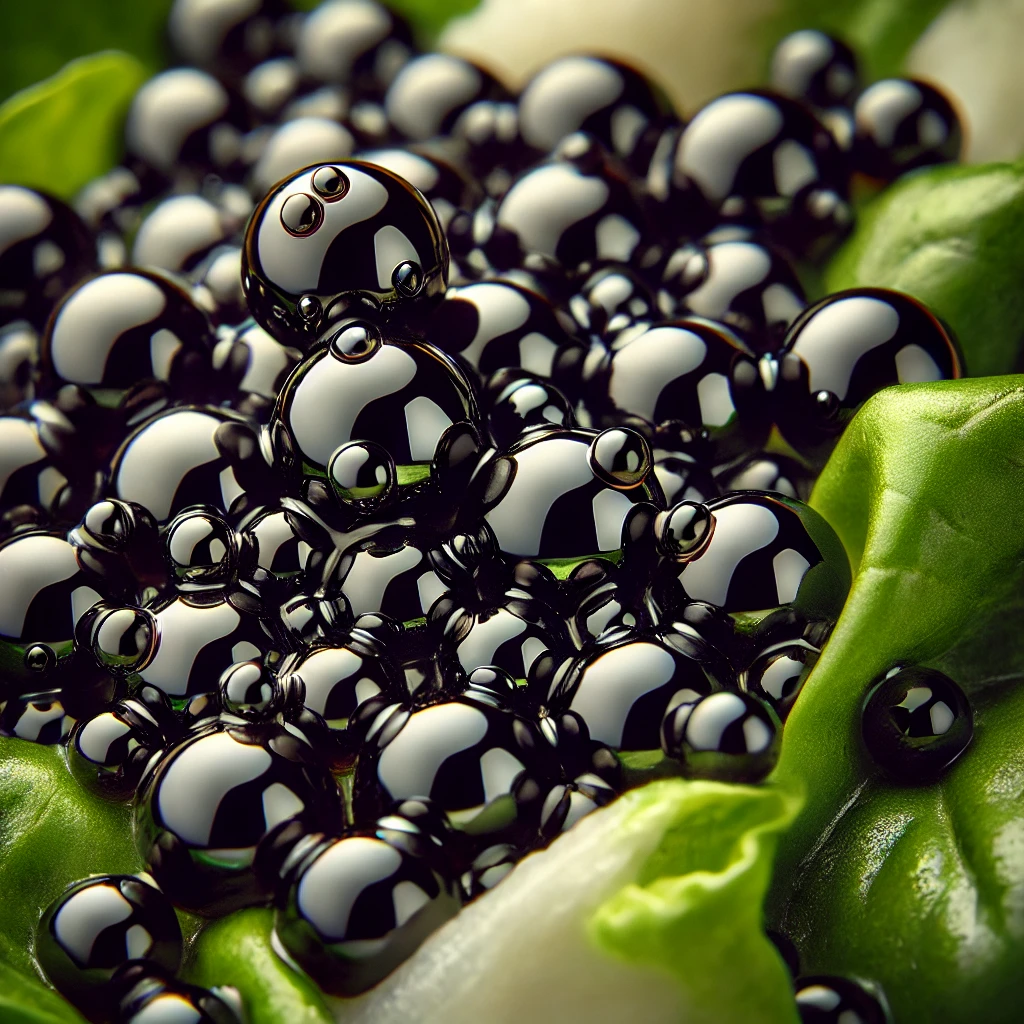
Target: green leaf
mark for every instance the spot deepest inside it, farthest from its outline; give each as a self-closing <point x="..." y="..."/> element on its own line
<point x="236" y="951"/>
<point x="914" y="887"/>
<point x="38" y="39"/>
<point x="59" y="134"/>
<point x="954" y="238"/>
<point x="52" y="833"/>
<point x="924" y="490"/>
<point x="879" y="30"/>
<point x="651" y="906"/>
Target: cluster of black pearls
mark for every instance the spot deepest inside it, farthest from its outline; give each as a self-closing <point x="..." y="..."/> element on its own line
<point x="394" y="469"/>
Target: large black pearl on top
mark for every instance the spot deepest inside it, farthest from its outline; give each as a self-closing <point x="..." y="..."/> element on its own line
<point x="45" y="248"/>
<point x="126" y="329"/>
<point x="843" y="349"/>
<point x="99" y="928"/>
<point x="337" y="239"/>
<point x="916" y="723"/>
<point x="206" y="806"/>
<point x="608" y="99"/>
<point x="546" y="498"/>
<point x="358" y="907"/>
<point x="767" y="557"/>
<point x="402" y="396"/>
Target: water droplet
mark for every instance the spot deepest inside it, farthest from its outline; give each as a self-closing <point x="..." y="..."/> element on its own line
<point x="301" y="214"/>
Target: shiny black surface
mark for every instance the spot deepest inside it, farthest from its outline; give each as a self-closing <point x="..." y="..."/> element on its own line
<point x="829" y="999"/>
<point x="813" y="66"/>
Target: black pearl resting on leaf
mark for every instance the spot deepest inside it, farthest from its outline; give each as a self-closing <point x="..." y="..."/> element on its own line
<point x="901" y="124"/>
<point x="778" y="674"/>
<point x="829" y="999"/>
<point x="731" y="737"/>
<point x="343" y="250"/>
<point x="916" y="723"/>
<point x="99" y="927"/>
<point x="358" y="907"/>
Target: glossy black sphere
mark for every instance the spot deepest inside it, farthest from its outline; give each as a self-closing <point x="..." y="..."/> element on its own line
<point x="249" y="691"/>
<point x="36" y="717"/>
<point x="124" y="329"/>
<point x="778" y="674"/>
<point x="201" y="548"/>
<point x="181" y="232"/>
<point x="812" y="66"/>
<point x="843" y="349"/>
<point x="100" y="927"/>
<point x="829" y="999"/>
<point x="211" y="800"/>
<point x="109" y="752"/>
<point x="156" y="997"/>
<point x="901" y="124"/>
<point x="916" y="722"/>
<point x="732" y="737"/>
<point x="340" y="239"/>
<point x="526" y="405"/>
<point x="359" y="906"/>
<point x="608" y="99"/>
<point x="622" y="689"/>
<point x="45" y="248"/>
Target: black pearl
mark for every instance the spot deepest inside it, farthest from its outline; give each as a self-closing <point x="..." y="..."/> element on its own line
<point x="19" y="362"/>
<point x="253" y="366"/>
<point x="753" y="147"/>
<point x="846" y="347"/>
<point x="467" y="757"/>
<point x="812" y="66"/>
<point x="732" y="737"/>
<point x="181" y="119"/>
<point x="358" y="907"/>
<point x="916" y="723"/>
<point x="362" y="475"/>
<point x="684" y="530"/>
<point x="122" y="640"/>
<point x="688" y="371"/>
<point x="428" y="94"/>
<point x="496" y="324"/>
<point x="37" y="717"/>
<point x="402" y="397"/>
<point x="749" y="286"/>
<point x="683" y="477"/>
<point x="251" y="692"/>
<point x="777" y="675"/>
<point x="45" y="247"/>
<point x="361" y="44"/>
<point x="611" y="300"/>
<point x="343" y="252"/>
<point x="272" y="548"/>
<point x="489" y="867"/>
<point x="99" y="927"/>
<point x="180" y="232"/>
<point x="201" y="548"/>
<point x="604" y="97"/>
<point x="185" y="456"/>
<point x="109" y="752"/>
<point x="155" y="997"/>
<point x="543" y="500"/>
<point x="620" y="457"/>
<point x="828" y="999"/>
<point x="622" y="689"/>
<point x="767" y="552"/>
<point x="29" y="474"/>
<point x="901" y="124"/>
<point x="198" y="637"/>
<point x="210" y="801"/>
<point x="217" y="285"/>
<point x="225" y="38"/>
<point x="526" y="405"/>
<point x="336" y="679"/>
<point x="767" y="471"/>
<point x="572" y="211"/>
<point x="46" y="594"/>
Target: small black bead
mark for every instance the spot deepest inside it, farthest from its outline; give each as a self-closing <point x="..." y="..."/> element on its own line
<point x="829" y="999"/>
